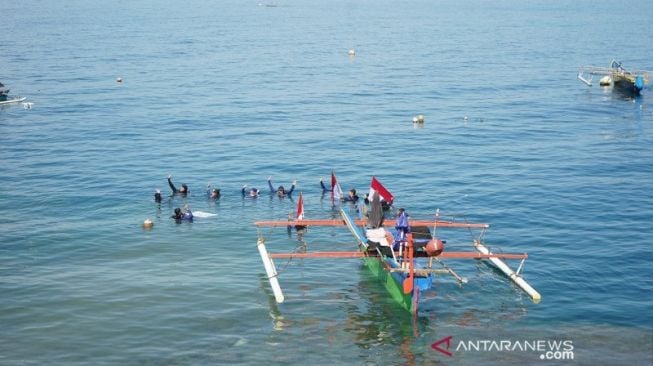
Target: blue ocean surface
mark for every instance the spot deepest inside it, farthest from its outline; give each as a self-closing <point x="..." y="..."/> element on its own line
<point x="231" y="92"/>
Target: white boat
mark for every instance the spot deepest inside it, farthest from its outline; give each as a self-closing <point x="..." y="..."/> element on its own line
<point x="5" y="98"/>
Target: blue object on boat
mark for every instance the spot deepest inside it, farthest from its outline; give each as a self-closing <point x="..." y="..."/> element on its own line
<point x="639" y="83"/>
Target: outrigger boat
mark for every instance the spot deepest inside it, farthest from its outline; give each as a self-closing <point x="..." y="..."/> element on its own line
<point x="392" y="253"/>
<point x="5" y="98"/>
<point x="629" y="81"/>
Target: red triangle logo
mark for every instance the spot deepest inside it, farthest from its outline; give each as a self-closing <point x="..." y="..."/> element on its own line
<point x="447" y="342"/>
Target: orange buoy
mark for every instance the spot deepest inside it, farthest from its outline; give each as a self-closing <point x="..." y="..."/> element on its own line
<point x="434" y="247"/>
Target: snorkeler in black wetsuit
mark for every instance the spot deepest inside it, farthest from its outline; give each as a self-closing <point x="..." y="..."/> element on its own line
<point x="212" y="193"/>
<point x="281" y="191"/>
<point x="253" y="192"/>
<point x="157" y="196"/>
<point x="183" y="191"/>
<point x="185" y="215"/>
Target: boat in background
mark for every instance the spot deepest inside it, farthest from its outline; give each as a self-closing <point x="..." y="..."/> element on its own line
<point x="632" y="82"/>
<point x="5" y="98"/>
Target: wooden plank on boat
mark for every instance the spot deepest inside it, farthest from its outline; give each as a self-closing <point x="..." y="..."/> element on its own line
<point x="363" y="222"/>
<point x="516" y="278"/>
<point x="357" y="254"/>
<point x="451" y="224"/>
<point x="471" y="255"/>
<point x="336" y="254"/>
<point x="422" y="272"/>
<point x="309" y="222"/>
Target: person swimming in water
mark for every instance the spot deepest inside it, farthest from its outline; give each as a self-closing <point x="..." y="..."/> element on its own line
<point x="183" y="191"/>
<point x="325" y="189"/>
<point x="252" y="193"/>
<point x="281" y="191"/>
<point x="157" y="196"/>
<point x="212" y="193"/>
<point x="182" y="215"/>
<point x="385" y="206"/>
<point x="351" y="196"/>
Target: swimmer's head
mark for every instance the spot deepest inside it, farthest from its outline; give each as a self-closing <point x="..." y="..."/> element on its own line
<point x="183" y="189"/>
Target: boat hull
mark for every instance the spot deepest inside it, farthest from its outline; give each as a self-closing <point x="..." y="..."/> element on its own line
<point x="381" y="268"/>
<point x="392" y="284"/>
<point x="627" y="84"/>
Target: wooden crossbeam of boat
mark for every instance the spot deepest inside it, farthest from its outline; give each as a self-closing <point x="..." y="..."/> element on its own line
<point x="421" y="272"/>
<point x="334" y="254"/>
<point x="307" y="222"/>
<point x="472" y="255"/>
<point x="598" y="70"/>
<point x="595" y="70"/>
<point x="358" y="254"/>
<point x="363" y="222"/>
<point x="452" y="224"/>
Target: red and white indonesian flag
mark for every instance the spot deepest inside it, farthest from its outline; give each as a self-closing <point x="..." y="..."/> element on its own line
<point x="300" y="207"/>
<point x="377" y="187"/>
<point x="336" y="191"/>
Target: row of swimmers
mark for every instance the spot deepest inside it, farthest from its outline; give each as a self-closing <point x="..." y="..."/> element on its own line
<point x="186" y="214"/>
<point x="280" y="191"/>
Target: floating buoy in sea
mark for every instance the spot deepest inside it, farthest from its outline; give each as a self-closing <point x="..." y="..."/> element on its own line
<point x="420" y="118"/>
<point x="434" y="247"/>
<point x="415" y="119"/>
<point x="147" y="224"/>
<point x="119" y="80"/>
<point x="352" y="52"/>
<point x="605" y="81"/>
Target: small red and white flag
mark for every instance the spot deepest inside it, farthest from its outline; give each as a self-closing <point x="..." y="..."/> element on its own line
<point x="336" y="191"/>
<point x="300" y="207"/>
<point x="377" y="187"/>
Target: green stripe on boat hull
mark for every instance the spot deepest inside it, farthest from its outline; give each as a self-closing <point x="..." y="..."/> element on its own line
<point x="396" y="290"/>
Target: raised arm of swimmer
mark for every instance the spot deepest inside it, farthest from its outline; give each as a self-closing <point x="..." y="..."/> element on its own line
<point x="183" y="190"/>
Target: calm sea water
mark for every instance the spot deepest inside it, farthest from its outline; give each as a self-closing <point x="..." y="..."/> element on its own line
<point x="232" y="92"/>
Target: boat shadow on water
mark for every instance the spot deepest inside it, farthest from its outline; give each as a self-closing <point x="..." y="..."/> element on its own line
<point x="372" y="317"/>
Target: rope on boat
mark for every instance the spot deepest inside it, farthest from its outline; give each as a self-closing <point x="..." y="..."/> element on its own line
<point x="461" y="280"/>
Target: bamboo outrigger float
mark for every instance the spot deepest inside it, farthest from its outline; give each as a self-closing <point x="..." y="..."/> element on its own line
<point x="397" y="270"/>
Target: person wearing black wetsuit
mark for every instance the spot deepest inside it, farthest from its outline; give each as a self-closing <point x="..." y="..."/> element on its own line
<point x="281" y="191"/>
<point x="253" y="192"/>
<point x="185" y="215"/>
<point x="157" y="196"/>
<point x="212" y="193"/>
<point x="183" y="191"/>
